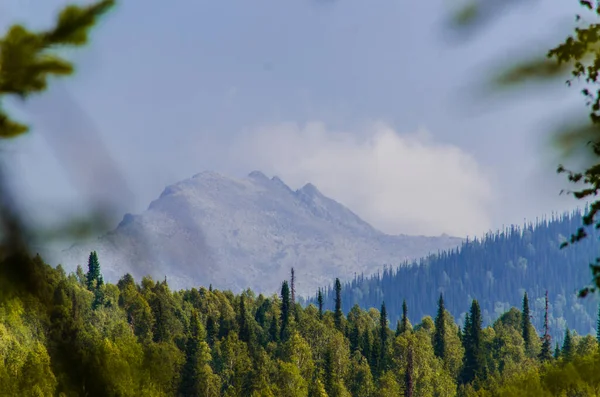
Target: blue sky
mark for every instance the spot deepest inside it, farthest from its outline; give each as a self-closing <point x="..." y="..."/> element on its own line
<point x="364" y="99"/>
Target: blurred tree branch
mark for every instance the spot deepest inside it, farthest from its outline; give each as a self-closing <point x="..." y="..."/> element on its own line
<point x="579" y="55"/>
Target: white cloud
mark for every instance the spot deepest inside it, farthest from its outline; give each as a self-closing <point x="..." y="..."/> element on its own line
<point x="400" y="183"/>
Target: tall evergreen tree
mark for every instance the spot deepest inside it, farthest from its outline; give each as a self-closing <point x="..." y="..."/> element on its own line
<point x="383" y="338"/>
<point x="243" y="326"/>
<point x="320" y="302"/>
<point x="211" y="330"/>
<point x="284" y="331"/>
<point x="546" y="351"/>
<point x="526" y="324"/>
<point x="408" y="375"/>
<point x="93" y="276"/>
<point x="474" y="364"/>
<point x="556" y="351"/>
<point x="567" y="348"/>
<point x="598" y="325"/>
<point x="274" y="330"/>
<point x="338" y="315"/>
<point x="439" y="337"/>
<point x="293" y="281"/>
<point x="190" y="384"/>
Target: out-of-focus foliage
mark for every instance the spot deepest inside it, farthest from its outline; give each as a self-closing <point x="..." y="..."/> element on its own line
<point x="579" y="55"/>
<point x="135" y="339"/>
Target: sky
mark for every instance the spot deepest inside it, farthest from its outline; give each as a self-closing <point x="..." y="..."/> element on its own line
<point x="369" y="101"/>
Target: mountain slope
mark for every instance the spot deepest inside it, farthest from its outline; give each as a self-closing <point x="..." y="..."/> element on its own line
<point x="248" y="233"/>
<point x="495" y="270"/>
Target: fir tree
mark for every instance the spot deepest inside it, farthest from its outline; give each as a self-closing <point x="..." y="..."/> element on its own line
<point x="211" y="331"/>
<point x="244" y="328"/>
<point x="546" y="351"/>
<point x="556" y="351"/>
<point x="474" y="355"/>
<point x="398" y="328"/>
<point x="383" y="338"/>
<point x="320" y="302"/>
<point x="338" y="315"/>
<point x="526" y="324"/>
<point x="190" y="376"/>
<point x="293" y="281"/>
<point x="439" y="337"/>
<point x="274" y="329"/>
<point x="284" y="332"/>
<point x="567" y="348"/>
<point x="94" y="278"/>
<point x="598" y="325"/>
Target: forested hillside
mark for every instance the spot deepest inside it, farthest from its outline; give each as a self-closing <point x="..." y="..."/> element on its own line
<point x="496" y="270"/>
<point x="75" y="335"/>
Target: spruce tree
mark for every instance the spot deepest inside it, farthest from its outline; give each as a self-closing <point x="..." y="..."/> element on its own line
<point x="398" y="328"/>
<point x="243" y="327"/>
<point x="404" y="323"/>
<point x="526" y="324"/>
<point x="439" y="337"/>
<point x="556" y="351"/>
<point x="338" y="315"/>
<point x="383" y="338"/>
<point x="94" y="278"/>
<point x="293" y="281"/>
<point x="284" y="331"/>
<point x="211" y="331"/>
<point x="546" y="351"/>
<point x="274" y="330"/>
<point x="567" y="348"/>
<point x="474" y="365"/>
<point x="320" y="302"/>
<point x="190" y="384"/>
<point x="598" y="325"/>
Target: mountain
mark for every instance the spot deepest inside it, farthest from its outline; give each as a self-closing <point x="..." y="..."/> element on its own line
<point x="496" y="270"/>
<point x="247" y="233"/>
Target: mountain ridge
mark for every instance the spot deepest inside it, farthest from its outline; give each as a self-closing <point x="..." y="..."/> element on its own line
<point x="237" y="233"/>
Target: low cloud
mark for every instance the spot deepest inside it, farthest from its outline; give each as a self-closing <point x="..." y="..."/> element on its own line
<point x="400" y="183"/>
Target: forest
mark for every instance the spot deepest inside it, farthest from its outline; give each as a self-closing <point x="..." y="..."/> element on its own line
<point x="496" y="270"/>
<point x="75" y="335"/>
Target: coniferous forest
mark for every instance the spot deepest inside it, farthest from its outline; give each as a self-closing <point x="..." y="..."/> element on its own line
<point x="79" y="336"/>
<point x="496" y="270"/>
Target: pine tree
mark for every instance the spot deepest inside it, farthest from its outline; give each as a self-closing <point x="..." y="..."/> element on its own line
<point x="284" y="331"/>
<point x="439" y="337"/>
<point x="526" y="324"/>
<point x="338" y="315"/>
<point x="320" y="302"/>
<point x="190" y="375"/>
<point x="408" y="376"/>
<point x="398" y="328"/>
<point x="546" y="351"/>
<point x="567" y="348"/>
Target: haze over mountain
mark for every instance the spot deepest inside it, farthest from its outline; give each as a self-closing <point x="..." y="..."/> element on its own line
<point x="247" y="233"/>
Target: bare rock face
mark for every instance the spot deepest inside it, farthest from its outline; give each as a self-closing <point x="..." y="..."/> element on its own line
<point x="247" y="233"/>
